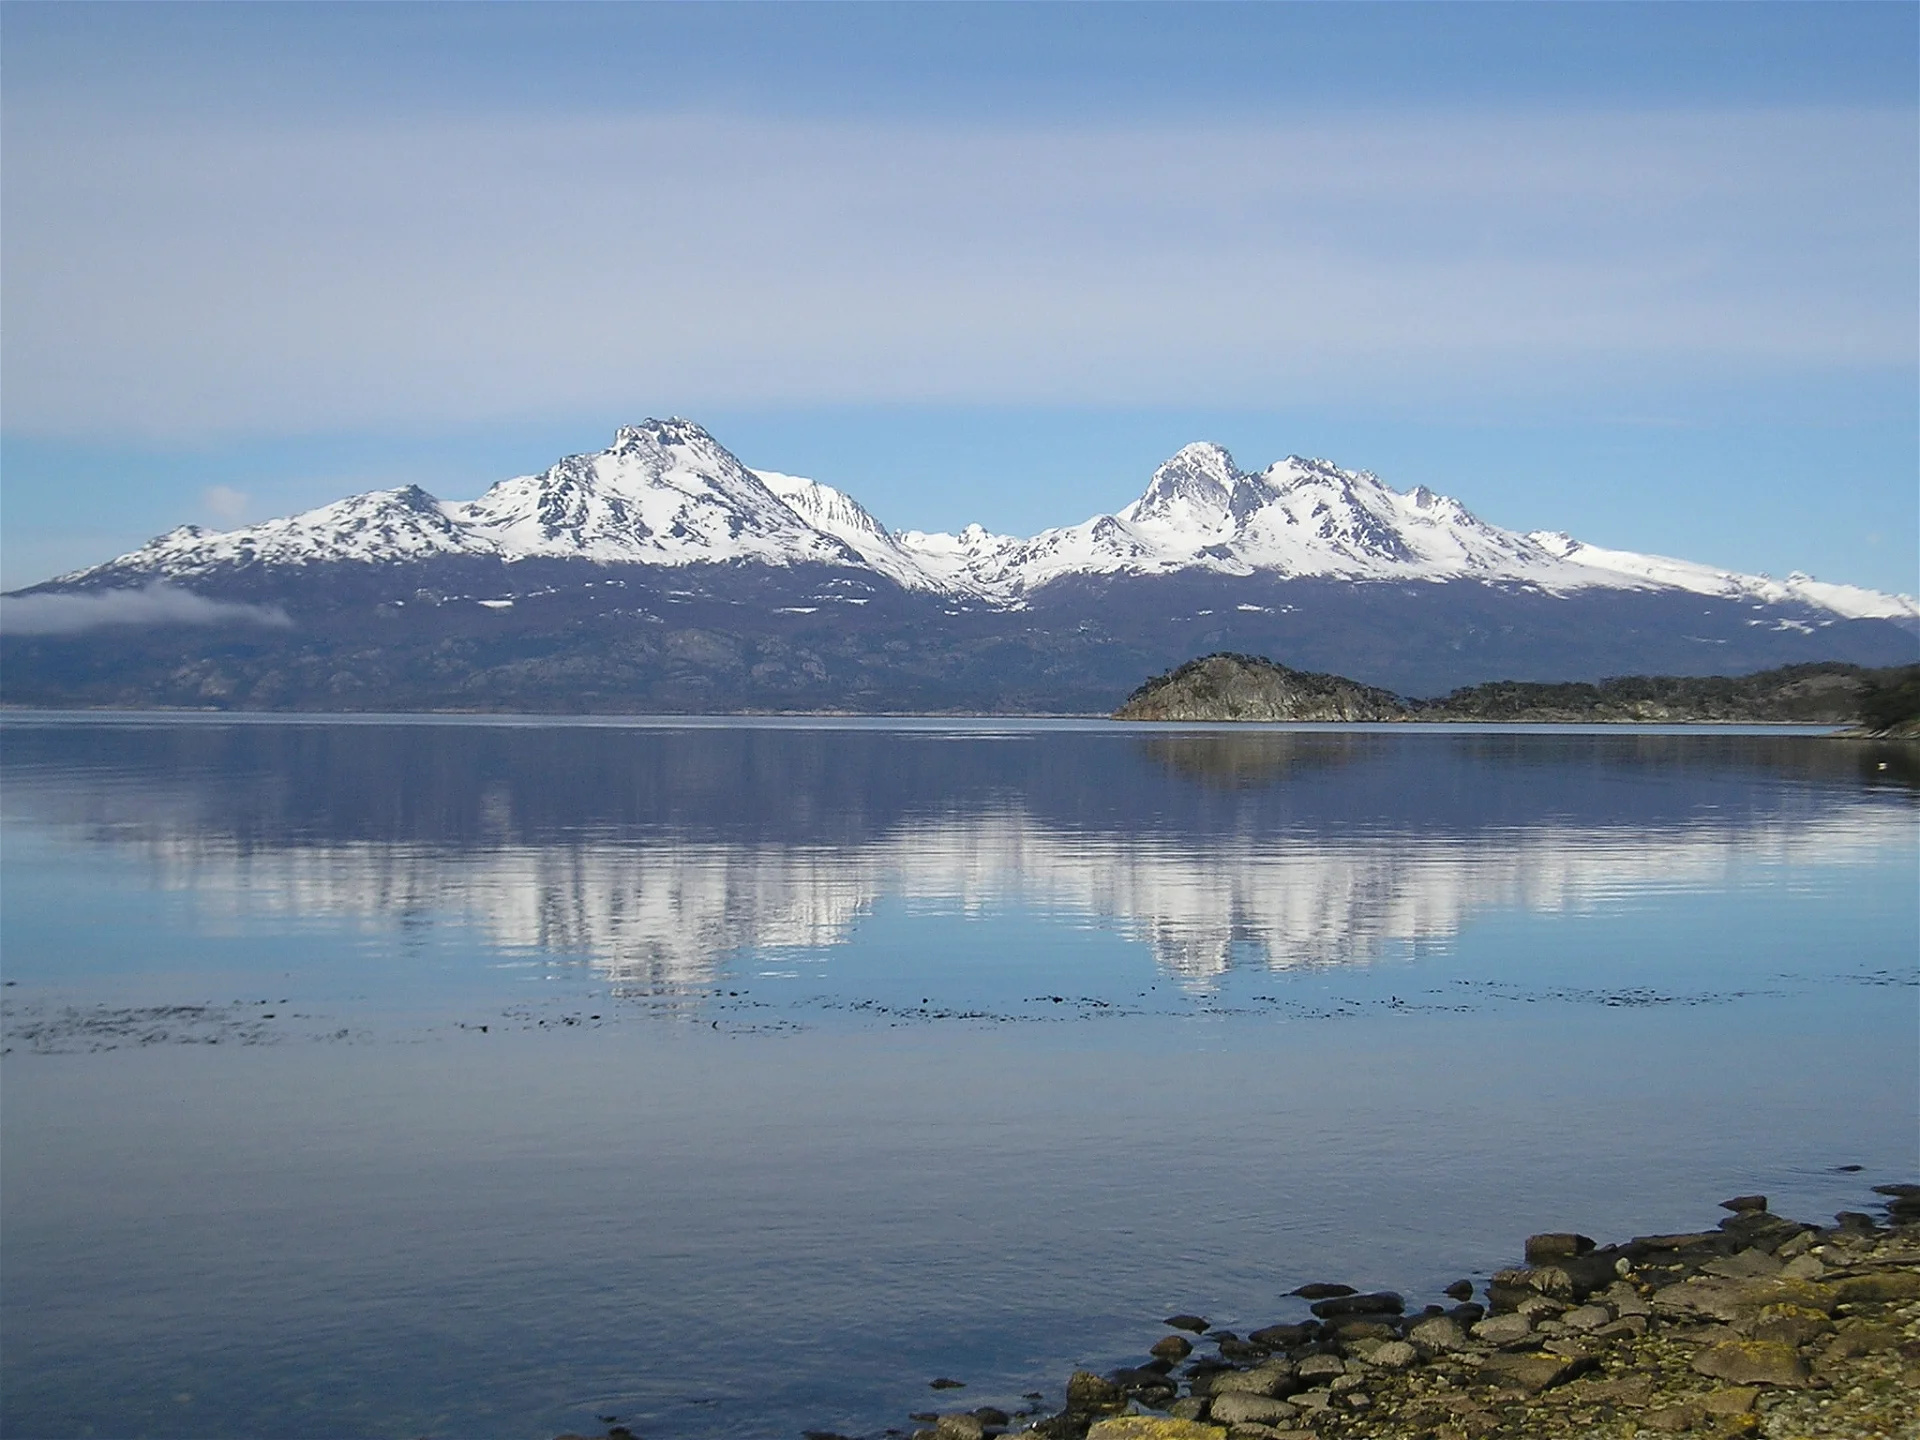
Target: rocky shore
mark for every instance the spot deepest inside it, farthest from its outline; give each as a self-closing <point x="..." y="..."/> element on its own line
<point x="1761" y="1326"/>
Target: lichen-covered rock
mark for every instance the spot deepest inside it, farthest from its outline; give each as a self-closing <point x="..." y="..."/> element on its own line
<point x="1087" y="1391"/>
<point x="1154" y="1427"/>
<point x="1793" y="1325"/>
<point x="1886" y="1286"/>
<point x="1753" y="1362"/>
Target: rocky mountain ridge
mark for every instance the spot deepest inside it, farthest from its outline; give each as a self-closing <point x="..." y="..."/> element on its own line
<point x="664" y="575"/>
<point x="667" y="493"/>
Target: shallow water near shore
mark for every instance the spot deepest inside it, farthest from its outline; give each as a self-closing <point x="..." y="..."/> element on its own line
<point x="735" y="1079"/>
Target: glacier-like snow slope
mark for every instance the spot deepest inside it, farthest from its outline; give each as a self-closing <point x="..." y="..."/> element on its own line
<point x="668" y="493"/>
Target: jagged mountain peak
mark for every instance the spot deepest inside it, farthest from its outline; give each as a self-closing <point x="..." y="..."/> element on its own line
<point x="1193" y="487"/>
<point x="673" y="430"/>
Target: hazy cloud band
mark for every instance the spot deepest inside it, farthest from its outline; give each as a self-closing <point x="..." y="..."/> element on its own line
<point x="188" y="281"/>
<point x="155" y="604"/>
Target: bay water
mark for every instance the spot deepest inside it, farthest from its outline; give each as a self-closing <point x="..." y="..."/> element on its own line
<point x="437" y="1077"/>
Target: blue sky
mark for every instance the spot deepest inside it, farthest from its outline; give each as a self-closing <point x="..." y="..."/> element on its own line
<point x="1641" y="272"/>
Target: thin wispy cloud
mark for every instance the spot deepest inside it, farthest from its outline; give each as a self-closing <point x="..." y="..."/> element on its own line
<point x="184" y="281"/>
<point x="147" y="606"/>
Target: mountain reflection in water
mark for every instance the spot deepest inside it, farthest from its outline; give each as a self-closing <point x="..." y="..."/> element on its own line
<point x="656" y="853"/>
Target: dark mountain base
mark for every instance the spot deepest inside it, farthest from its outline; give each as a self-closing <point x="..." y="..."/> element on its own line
<point x="584" y="638"/>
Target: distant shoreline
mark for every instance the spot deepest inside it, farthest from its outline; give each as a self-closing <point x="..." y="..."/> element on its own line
<point x="662" y="718"/>
<point x="1230" y="687"/>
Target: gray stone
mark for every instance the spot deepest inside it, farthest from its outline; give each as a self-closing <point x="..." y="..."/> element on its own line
<point x="1503" y="1329"/>
<point x="1743" y="1265"/>
<point x="1632" y="1390"/>
<point x="1272" y="1379"/>
<point x="962" y="1426"/>
<point x="1626" y="1300"/>
<point x="1802" y="1267"/>
<point x="1799" y="1245"/>
<point x="1239" y="1409"/>
<point x="1394" y="1355"/>
<point x="1316" y="1368"/>
<point x="1587" y="1317"/>
<point x="1439" y="1333"/>
<point x="1625" y="1326"/>
<point x="1535" y="1372"/>
<point x="1673" y="1419"/>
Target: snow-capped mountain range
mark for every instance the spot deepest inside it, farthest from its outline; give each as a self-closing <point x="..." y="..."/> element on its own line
<point x="666" y="493"/>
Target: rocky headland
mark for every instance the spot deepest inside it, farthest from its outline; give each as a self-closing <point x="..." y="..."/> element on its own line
<point x="1249" y="687"/>
<point x="1230" y="687"/>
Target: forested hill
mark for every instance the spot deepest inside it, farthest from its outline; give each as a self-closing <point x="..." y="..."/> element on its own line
<point x="1249" y="687"/>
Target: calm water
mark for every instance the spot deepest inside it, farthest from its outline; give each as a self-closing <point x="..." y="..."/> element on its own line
<point x="737" y="1079"/>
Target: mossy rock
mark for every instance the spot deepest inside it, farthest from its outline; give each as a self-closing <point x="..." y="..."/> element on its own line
<point x="1153" y="1427"/>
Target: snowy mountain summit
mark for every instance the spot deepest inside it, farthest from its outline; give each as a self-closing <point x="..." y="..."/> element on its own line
<point x="666" y="493"/>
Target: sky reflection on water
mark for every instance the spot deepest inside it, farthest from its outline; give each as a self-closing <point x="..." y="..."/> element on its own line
<point x="866" y="1053"/>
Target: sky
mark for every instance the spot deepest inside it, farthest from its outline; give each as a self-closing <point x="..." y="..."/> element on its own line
<point x="1645" y="273"/>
